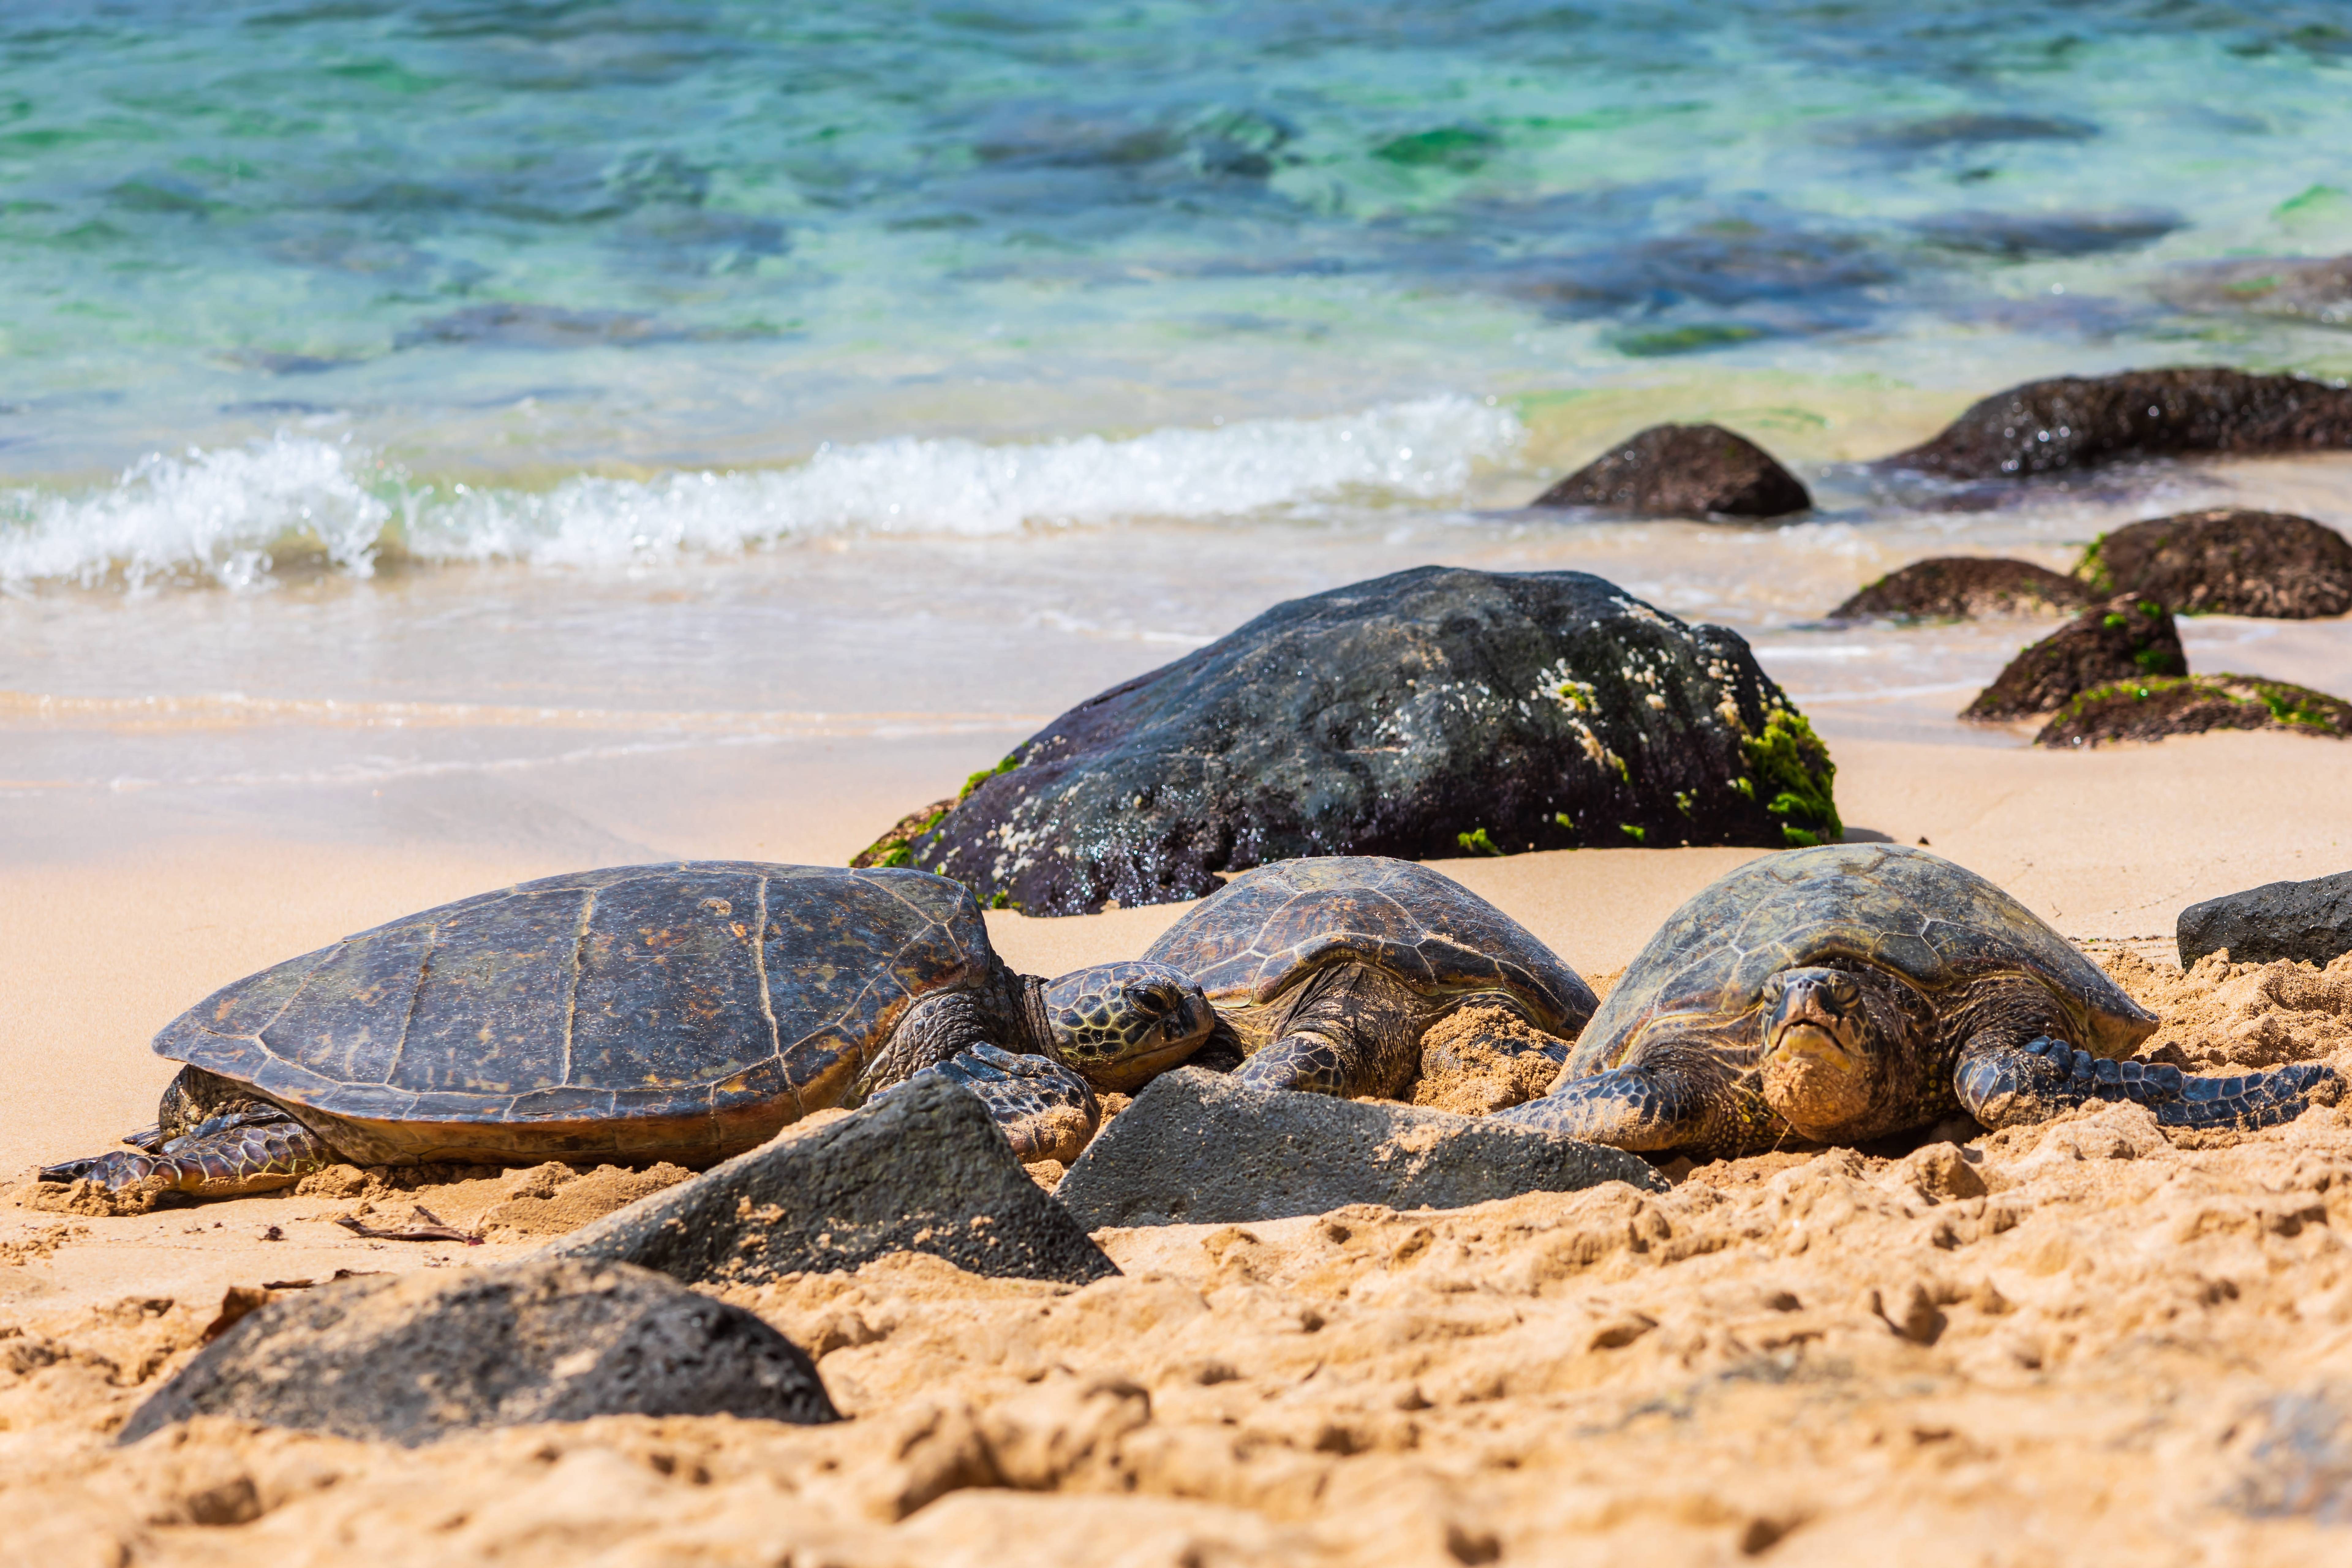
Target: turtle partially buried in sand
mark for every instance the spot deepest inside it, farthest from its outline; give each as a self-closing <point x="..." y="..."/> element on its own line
<point x="683" y="1012"/>
<point x="1331" y="971"/>
<point x="1853" y="991"/>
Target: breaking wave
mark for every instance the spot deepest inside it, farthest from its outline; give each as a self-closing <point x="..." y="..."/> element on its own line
<point x="231" y="516"/>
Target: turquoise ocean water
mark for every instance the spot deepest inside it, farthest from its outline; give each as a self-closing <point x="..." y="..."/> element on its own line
<point x="933" y="365"/>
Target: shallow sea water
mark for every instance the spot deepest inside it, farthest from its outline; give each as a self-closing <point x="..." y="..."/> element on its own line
<point x="522" y="392"/>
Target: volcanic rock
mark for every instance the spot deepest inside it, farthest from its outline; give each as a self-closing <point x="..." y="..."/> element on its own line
<point x="2227" y="562"/>
<point x="923" y="1170"/>
<point x="2126" y="638"/>
<point x="1434" y="713"/>
<point x="2079" y="422"/>
<point x="1197" y="1148"/>
<point x="1962" y="587"/>
<point x="2303" y="922"/>
<point x="1684" y="470"/>
<point x="2152" y="709"/>
<point x="409" y="1358"/>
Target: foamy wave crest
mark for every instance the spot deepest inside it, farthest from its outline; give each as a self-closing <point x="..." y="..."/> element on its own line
<point x="226" y="515"/>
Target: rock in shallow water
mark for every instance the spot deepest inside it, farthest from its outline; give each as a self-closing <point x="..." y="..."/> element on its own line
<point x="410" y="1358"/>
<point x="2124" y="639"/>
<point x="923" y="1170"/>
<point x="2307" y="922"/>
<point x="1429" y="713"/>
<point x="2158" y="706"/>
<point x="1962" y="587"/>
<point x="2227" y="562"/>
<point x="2080" y="422"/>
<point x="1684" y="470"/>
<point x="1197" y="1148"/>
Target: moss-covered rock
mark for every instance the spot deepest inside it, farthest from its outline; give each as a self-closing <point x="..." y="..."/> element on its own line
<point x="2226" y="562"/>
<point x="2126" y="638"/>
<point x="1433" y="713"/>
<point x="2152" y="709"/>
<point x="1963" y="587"/>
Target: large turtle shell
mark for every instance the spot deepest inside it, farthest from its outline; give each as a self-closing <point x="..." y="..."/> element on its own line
<point x="684" y="1011"/>
<point x="1268" y="928"/>
<point x="1884" y="905"/>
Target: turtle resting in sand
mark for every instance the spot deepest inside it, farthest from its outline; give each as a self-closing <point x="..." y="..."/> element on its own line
<point x="1328" y="971"/>
<point x="681" y="1012"/>
<point x="1853" y="991"/>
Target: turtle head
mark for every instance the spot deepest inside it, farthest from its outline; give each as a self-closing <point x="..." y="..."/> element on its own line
<point x="1117" y="1025"/>
<point x="1827" y="1037"/>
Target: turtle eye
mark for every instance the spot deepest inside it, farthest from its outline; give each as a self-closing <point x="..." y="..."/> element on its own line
<point x="1153" y="1000"/>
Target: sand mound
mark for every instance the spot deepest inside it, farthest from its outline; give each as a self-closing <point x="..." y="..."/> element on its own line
<point x="2221" y="1015"/>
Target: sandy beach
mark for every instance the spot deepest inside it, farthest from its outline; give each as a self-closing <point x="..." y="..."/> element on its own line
<point x="2091" y="1339"/>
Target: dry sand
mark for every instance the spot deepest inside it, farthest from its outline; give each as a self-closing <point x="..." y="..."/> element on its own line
<point x="2082" y="1343"/>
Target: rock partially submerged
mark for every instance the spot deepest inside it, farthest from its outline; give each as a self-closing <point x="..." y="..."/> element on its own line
<point x="2228" y="563"/>
<point x="2303" y="922"/>
<point x="1963" y="587"/>
<point x="2079" y="422"/>
<point x="1434" y="713"/>
<point x="1684" y="470"/>
<point x="923" y="1170"/>
<point x="1197" y="1148"/>
<point x="2152" y="709"/>
<point x="2124" y="638"/>
<point x="410" y="1358"/>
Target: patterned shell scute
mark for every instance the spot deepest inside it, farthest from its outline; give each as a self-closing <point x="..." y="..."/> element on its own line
<point x="1886" y="905"/>
<point x="694" y="988"/>
<point x="1268" y="929"/>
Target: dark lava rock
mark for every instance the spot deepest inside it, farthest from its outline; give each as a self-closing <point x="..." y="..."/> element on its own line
<point x="1430" y="713"/>
<point x="1684" y="470"/>
<point x="1962" y="587"/>
<point x="923" y="1170"/>
<point x="2152" y="709"/>
<point x="2308" y="922"/>
<point x="2227" y="562"/>
<point x="409" y="1358"/>
<point x="1197" y="1148"/>
<point x="2079" y="422"/>
<point x="2126" y="639"/>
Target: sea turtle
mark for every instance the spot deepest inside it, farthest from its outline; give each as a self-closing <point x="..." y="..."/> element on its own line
<point x="679" y="1011"/>
<point x="1330" y="970"/>
<point x="1854" y="991"/>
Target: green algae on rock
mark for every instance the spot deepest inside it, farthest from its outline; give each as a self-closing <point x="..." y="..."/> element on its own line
<point x="2151" y="708"/>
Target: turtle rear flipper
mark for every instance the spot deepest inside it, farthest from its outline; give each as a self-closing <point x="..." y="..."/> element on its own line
<point x="2004" y="1084"/>
<point x="253" y="1149"/>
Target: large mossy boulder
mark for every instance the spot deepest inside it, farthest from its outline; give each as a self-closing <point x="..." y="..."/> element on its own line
<point x="1433" y="712"/>
<point x="2080" y="422"/>
<point x="2227" y="562"/>
<point x="1684" y="470"/>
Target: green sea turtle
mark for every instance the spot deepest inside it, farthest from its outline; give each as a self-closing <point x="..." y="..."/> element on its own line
<point x="1853" y="991"/>
<point x="680" y="1011"/>
<point x="1330" y="970"/>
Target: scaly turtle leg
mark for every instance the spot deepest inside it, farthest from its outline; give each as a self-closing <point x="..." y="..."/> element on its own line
<point x="1663" y="1099"/>
<point x="2006" y="1085"/>
<point x="1045" y="1111"/>
<point x="1353" y="1030"/>
<point x="251" y="1148"/>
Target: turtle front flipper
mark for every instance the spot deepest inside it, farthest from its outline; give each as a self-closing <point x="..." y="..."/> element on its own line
<point x="2003" y="1084"/>
<point x="1666" y="1100"/>
<point x="1045" y="1111"/>
<point x="252" y="1149"/>
<point x="1354" y="1029"/>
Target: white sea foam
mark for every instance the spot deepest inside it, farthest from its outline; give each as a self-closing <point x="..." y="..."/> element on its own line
<point x="224" y="516"/>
